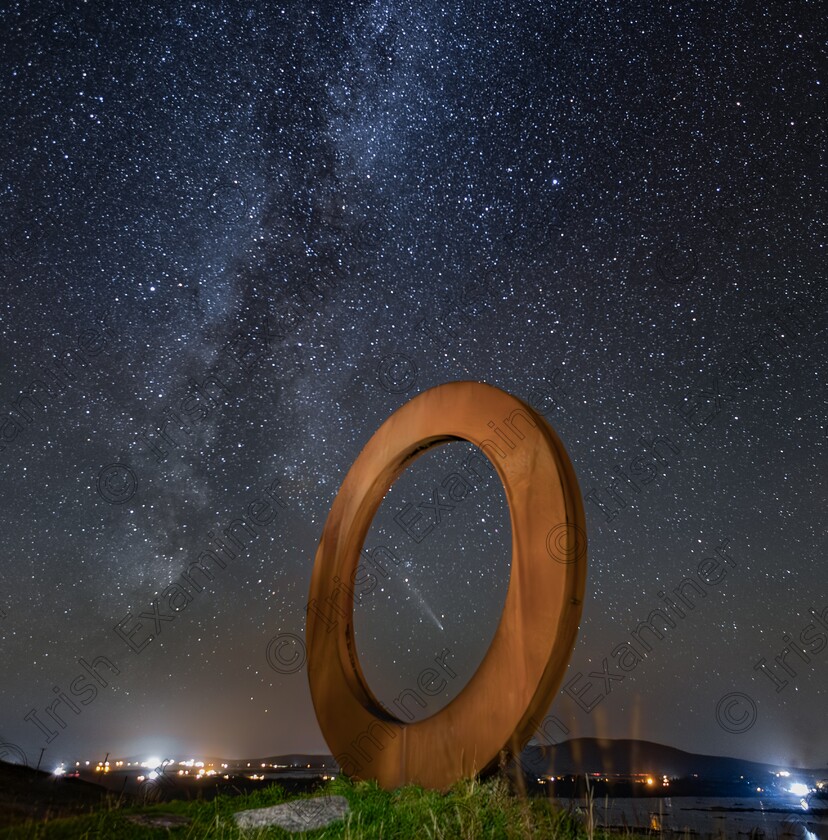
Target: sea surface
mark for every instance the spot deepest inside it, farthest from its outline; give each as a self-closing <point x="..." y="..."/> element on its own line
<point x="773" y="818"/>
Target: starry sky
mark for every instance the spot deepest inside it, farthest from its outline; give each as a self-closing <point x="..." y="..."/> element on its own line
<point x="238" y="236"/>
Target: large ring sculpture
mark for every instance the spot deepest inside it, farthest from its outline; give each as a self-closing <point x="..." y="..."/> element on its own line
<point x="500" y="707"/>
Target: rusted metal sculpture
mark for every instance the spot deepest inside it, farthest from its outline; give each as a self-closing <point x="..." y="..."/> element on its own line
<point x="513" y="687"/>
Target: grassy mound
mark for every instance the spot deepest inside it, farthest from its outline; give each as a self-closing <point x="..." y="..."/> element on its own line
<point x="471" y="810"/>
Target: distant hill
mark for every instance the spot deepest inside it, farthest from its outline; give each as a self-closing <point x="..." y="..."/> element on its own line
<point x="34" y="794"/>
<point x="602" y="755"/>
<point x="627" y="756"/>
<point x="577" y="756"/>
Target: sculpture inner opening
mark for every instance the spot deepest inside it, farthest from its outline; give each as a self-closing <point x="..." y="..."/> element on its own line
<point x="436" y="567"/>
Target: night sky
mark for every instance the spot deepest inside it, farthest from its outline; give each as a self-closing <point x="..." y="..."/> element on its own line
<point x="237" y="237"/>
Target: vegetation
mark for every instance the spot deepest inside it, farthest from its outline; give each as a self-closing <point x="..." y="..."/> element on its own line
<point x="472" y="810"/>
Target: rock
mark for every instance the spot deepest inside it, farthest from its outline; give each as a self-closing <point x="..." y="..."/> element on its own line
<point x="298" y="815"/>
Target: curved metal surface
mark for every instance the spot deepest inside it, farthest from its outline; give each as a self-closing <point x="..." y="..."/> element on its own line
<point x="501" y="705"/>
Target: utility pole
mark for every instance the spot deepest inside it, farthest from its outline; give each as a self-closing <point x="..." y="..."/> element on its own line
<point x="42" y="750"/>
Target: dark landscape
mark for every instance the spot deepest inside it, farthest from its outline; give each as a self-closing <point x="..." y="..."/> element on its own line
<point x="615" y="768"/>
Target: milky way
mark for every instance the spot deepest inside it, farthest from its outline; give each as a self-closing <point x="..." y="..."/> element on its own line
<point x="238" y="237"/>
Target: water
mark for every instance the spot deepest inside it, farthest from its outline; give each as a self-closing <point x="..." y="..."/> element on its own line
<point x="772" y="818"/>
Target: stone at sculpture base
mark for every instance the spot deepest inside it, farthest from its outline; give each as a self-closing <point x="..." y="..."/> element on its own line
<point x="299" y="815"/>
